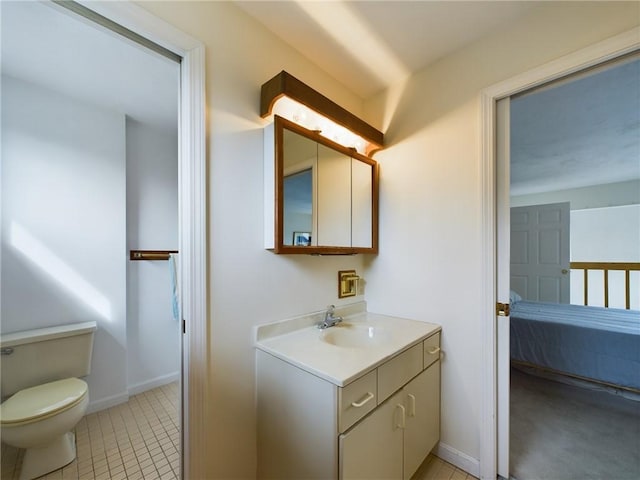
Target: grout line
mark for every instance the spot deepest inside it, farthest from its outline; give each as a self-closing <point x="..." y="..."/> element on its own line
<point x="117" y="443"/>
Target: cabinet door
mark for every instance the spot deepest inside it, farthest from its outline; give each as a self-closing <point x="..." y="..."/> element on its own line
<point x="421" y="397"/>
<point x="333" y="206"/>
<point x="373" y="448"/>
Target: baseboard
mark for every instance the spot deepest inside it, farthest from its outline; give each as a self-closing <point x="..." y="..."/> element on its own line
<point x="153" y="383"/>
<point x="456" y="457"/>
<point x="112" y="401"/>
<point x="108" y="402"/>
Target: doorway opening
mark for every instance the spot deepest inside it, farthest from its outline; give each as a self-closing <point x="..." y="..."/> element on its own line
<point x="494" y="441"/>
<point x="191" y="273"/>
<point x="573" y="150"/>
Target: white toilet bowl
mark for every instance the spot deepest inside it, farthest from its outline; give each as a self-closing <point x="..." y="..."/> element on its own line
<point x="40" y="419"/>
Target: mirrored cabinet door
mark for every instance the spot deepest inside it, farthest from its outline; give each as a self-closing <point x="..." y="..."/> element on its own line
<point x="323" y="199"/>
<point x="333" y="204"/>
<point x="361" y="204"/>
<point x="299" y="172"/>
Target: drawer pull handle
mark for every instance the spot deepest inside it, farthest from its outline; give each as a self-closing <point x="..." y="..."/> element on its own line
<point x="368" y="397"/>
<point x="403" y="422"/>
<point x="412" y="405"/>
<point x="433" y="351"/>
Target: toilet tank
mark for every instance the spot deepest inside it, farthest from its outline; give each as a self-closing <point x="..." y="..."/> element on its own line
<point x="34" y="357"/>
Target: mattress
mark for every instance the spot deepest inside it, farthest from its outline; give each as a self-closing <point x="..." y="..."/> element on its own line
<point x="597" y="343"/>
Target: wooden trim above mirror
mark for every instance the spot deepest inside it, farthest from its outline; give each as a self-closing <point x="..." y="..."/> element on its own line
<point x="285" y="84"/>
<point x="277" y="169"/>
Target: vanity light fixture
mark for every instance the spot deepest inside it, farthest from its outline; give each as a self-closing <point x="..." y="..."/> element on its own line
<point x="294" y="100"/>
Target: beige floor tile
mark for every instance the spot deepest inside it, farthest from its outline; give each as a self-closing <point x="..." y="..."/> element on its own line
<point x="120" y="443"/>
<point x="149" y="471"/>
<point x="459" y="475"/>
<point x="434" y="468"/>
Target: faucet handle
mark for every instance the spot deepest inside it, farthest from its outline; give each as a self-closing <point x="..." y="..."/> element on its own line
<point x="328" y="315"/>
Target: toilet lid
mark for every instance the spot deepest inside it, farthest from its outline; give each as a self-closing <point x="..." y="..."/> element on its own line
<point x="43" y="400"/>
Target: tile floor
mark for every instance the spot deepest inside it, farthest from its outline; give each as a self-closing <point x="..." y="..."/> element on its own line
<point x="434" y="468"/>
<point x="139" y="439"/>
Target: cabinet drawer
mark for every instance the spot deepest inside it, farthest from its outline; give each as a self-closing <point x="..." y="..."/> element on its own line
<point x="356" y="400"/>
<point x="399" y="370"/>
<point x="431" y="349"/>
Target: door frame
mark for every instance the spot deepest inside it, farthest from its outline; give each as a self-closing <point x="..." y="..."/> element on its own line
<point x="192" y="275"/>
<point x="600" y="52"/>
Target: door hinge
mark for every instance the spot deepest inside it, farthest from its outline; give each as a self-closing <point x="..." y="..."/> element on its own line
<point x="184" y="326"/>
<point x="502" y="309"/>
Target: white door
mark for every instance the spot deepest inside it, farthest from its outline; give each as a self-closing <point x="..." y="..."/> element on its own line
<point x="540" y="252"/>
<point x="502" y="259"/>
<point x="532" y="249"/>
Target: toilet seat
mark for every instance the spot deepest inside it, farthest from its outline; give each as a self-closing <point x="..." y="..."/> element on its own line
<point x="43" y="401"/>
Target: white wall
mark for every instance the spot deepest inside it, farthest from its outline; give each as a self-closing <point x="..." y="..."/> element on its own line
<point x="63" y="223"/>
<point x="67" y="169"/>
<point x="247" y="284"/>
<point x="153" y="335"/>
<point x="429" y="266"/>
<point x="430" y="203"/>
<point x="606" y="235"/>
<point x="607" y="195"/>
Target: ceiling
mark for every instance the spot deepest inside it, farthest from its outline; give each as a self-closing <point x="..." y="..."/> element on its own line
<point x="582" y="133"/>
<point x="371" y="45"/>
<point x="573" y="137"/>
<point x="579" y="132"/>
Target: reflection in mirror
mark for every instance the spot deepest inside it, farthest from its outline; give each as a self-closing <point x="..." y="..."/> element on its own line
<point x="299" y="165"/>
<point x="297" y="208"/>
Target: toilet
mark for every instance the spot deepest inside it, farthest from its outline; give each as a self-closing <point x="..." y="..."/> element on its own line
<point x="43" y="398"/>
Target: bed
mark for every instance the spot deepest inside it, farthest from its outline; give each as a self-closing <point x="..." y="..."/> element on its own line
<point x="586" y="342"/>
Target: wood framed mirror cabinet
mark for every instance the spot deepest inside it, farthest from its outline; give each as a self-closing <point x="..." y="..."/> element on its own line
<point x="321" y="198"/>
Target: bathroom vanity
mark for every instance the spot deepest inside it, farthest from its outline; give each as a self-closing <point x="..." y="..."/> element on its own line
<point x="357" y="400"/>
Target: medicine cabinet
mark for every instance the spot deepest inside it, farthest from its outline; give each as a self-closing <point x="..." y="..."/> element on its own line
<point x="320" y="197"/>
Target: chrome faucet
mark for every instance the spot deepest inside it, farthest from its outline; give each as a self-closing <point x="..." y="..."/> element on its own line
<point x="330" y="320"/>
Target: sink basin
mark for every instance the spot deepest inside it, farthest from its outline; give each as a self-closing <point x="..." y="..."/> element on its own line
<point x="352" y="335"/>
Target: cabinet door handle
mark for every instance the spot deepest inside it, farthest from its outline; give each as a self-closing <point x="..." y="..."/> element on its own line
<point x="434" y="350"/>
<point x="367" y="397"/>
<point x="412" y="405"/>
<point x="403" y="420"/>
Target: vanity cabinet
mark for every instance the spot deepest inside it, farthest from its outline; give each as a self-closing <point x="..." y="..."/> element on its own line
<point x="381" y="425"/>
<point x="422" y="427"/>
<point x="394" y="440"/>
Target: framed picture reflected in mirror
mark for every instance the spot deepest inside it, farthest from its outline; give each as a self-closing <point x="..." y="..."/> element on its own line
<point x="302" y="239"/>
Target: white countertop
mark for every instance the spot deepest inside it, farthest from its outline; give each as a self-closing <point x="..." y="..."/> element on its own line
<point x="298" y="341"/>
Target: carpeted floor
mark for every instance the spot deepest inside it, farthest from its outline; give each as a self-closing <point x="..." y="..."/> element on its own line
<point x="565" y="432"/>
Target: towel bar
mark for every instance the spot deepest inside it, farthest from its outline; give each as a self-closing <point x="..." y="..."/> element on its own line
<point x="150" y="254"/>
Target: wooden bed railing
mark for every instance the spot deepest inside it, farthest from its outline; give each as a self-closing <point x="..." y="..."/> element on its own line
<point x="626" y="267"/>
